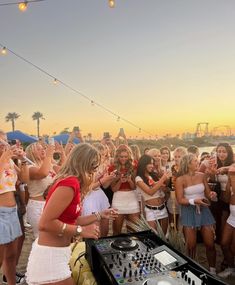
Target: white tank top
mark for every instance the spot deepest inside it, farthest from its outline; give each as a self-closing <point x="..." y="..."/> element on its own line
<point x="194" y="191"/>
<point x="37" y="187"/>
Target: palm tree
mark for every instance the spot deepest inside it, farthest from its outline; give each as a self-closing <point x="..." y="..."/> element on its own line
<point x="37" y="116"/>
<point x="11" y="117"/>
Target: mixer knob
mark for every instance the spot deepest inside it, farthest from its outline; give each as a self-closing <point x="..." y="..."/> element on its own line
<point x="112" y="256"/>
<point x="193" y="282"/>
<point x="130" y="273"/>
<point x="140" y="272"/>
<point x="124" y="255"/>
<point x="136" y="272"/>
<point x="111" y="265"/>
<point x="120" y="262"/>
<point x="189" y="280"/>
<point x="129" y="265"/>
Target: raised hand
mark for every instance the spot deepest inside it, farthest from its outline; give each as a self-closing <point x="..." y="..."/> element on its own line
<point x="110" y="213"/>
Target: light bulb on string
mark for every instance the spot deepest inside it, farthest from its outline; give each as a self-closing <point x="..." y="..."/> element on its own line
<point x="139" y="130"/>
<point x="4" y="51"/>
<point x="23" y="6"/>
<point x="111" y="3"/>
<point x="92" y="103"/>
<point x="118" y="119"/>
<point x="55" y="81"/>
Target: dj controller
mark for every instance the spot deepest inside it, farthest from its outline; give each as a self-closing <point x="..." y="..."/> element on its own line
<point x="143" y="259"/>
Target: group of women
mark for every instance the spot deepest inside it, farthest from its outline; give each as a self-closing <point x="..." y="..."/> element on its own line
<point x="93" y="184"/>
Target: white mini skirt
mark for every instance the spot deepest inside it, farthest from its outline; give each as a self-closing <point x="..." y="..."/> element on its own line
<point x="126" y="202"/>
<point x="48" y="264"/>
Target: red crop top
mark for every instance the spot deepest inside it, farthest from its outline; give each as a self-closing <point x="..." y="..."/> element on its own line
<point x="72" y="212"/>
<point x="124" y="185"/>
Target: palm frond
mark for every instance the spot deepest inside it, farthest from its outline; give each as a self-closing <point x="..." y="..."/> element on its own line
<point x="142" y="225"/>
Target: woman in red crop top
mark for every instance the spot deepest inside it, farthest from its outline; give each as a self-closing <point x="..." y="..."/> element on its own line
<point x="125" y="198"/>
<point x="60" y="220"/>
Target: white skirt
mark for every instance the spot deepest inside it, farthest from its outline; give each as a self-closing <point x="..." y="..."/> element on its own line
<point x="126" y="202"/>
<point x="34" y="211"/>
<point x="48" y="264"/>
<point x="231" y="218"/>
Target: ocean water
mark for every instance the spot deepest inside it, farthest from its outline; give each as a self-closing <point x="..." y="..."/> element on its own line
<point x="210" y="149"/>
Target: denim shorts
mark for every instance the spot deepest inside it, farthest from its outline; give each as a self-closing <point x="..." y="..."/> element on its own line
<point x="9" y="225"/>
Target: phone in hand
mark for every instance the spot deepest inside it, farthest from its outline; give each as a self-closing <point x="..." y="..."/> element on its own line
<point x="206" y="201"/>
<point x="121" y="132"/>
<point x="12" y="142"/>
<point x="76" y="129"/>
<point x="106" y="135"/>
<point x="51" y="141"/>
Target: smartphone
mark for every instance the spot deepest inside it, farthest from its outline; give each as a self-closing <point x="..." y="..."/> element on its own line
<point x="51" y="141"/>
<point x="106" y="135"/>
<point x="206" y="201"/>
<point x="12" y="142"/>
<point x="121" y="132"/>
<point x="76" y="129"/>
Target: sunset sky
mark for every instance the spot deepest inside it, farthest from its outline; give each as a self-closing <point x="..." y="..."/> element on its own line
<point x="163" y="65"/>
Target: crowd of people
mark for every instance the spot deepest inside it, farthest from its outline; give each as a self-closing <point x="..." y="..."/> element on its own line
<point x="69" y="191"/>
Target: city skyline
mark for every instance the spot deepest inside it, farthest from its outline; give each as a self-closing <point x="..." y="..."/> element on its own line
<point x="164" y="66"/>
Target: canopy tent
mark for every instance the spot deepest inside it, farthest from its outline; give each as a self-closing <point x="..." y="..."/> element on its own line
<point x="63" y="138"/>
<point x="18" y="135"/>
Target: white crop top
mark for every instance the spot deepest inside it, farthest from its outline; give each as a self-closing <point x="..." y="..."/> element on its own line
<point x="37" y="187"/>
<point x="158" y="194"/>
<point x="194" y="191"/>
<point x="8" y="179"/>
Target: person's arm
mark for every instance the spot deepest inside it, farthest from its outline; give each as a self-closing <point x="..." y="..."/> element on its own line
<point x="36" y="173"/>
<point x="152" y="190"/>
<point x="208" y="193"/>
<point x="97" y="216"/>
<point x="58" y="202"/>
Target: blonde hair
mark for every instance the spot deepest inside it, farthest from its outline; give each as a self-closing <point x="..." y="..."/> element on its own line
<point x="153" y="151"/>
<point x="129" y="164"/>
<point x="31" y="155"/>
<point x="184" y="164"/>
<point x="135" y="151"/>
<point x="181" y="150"/>
<point x="81" y="162"/>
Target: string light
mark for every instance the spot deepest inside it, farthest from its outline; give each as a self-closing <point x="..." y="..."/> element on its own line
<point x="4" y="51"/>
<point x="111" y="3"/>
<point x="118" y="119"/>
<point x="55" y="80"/>
<point x="23" y="6"/>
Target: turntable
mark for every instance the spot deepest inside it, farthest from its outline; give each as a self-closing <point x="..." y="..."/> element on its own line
<point x="142" y="259"/>
<point x="124" y="243"/>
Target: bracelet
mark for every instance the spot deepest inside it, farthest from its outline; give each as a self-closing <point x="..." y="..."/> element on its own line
<point x="191" y="202"/>
<point x="98" y="215"/>
<point x="62" y="230"/>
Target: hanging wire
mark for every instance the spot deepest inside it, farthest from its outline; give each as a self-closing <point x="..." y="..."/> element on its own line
<point x="17" y="3"/>
<point x="56" y="80"/>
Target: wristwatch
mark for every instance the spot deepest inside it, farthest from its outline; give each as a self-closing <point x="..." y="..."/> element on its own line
<point x="78" y="230"/>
